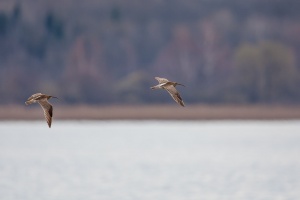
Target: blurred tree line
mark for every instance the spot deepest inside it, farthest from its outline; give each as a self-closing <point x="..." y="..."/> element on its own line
<point x="109" y="51"/>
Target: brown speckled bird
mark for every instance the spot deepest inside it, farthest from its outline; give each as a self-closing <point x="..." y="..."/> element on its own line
<point x="170" y="87"/>
<point x="42" y="99"/>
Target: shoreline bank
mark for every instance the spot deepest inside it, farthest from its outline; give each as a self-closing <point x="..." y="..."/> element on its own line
<point x="155" y="112"/>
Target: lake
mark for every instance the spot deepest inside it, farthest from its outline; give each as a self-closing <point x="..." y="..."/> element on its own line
<point x="150" y="160"/>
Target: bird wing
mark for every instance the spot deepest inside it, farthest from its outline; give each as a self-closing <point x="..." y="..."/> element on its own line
<point x="175" y="94"/>
<point x="33" y="98"/>
<point x="48" y="111"/>
<point x="161" y="80"/>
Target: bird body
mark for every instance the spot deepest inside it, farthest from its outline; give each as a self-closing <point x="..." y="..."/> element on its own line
<point x="170" y="87"/>
<point x="42" y="99"/>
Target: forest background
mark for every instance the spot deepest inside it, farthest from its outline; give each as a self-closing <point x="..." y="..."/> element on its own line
<point x="108" y="52"/>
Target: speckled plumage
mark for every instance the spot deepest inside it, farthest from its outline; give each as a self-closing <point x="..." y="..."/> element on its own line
<point x="42" y="99"/>
<point x="170" y="87"/>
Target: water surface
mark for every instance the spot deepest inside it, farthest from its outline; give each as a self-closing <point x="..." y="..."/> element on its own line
<point x="147" y="160"/>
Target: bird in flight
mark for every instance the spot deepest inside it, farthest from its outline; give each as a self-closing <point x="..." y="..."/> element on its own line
<point x="170" y="87"/>
<point x="42" y="99"/>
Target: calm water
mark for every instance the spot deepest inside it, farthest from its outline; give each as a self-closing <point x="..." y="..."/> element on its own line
<point x="148" y="160"/>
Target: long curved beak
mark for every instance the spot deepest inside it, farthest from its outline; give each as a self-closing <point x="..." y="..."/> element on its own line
<point x="181" y="84"/>
<point x="55" y="97"/>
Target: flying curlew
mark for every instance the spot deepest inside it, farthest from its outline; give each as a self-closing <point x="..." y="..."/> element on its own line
<point x="170" y="87"/>
<point x="42" y="99"/>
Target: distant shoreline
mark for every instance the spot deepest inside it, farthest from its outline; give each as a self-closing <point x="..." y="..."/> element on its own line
<point x="155" y="112"/>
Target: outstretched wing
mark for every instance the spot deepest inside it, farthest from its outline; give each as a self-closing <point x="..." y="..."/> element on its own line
<point x="48" y="111"/>
<point x="161" y="80"/>
<point x="33" y="98"/>
<point x="175" y="94"/>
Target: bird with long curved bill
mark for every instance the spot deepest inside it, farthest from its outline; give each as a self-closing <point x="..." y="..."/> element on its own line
<point x="170" y="87"/>
<point x="42" y="99"/>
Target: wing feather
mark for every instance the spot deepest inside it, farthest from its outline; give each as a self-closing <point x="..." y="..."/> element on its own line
<point x="48" y="111"/>
<point x="175" y="94"/>
<point x="161" y="80"/>
<point x="33" y="98"/>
